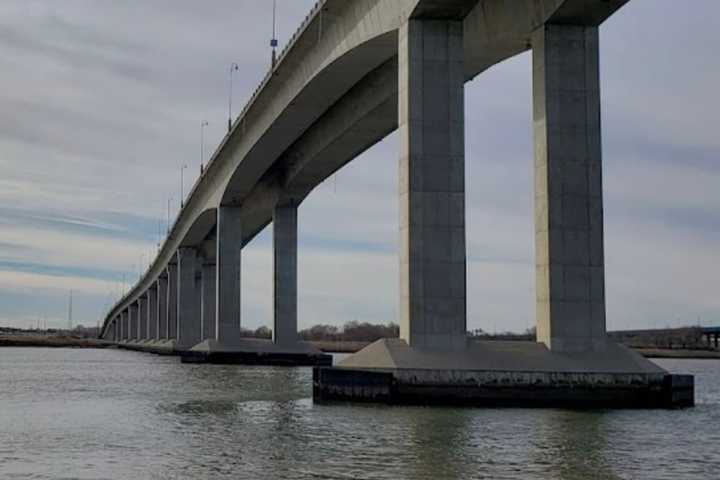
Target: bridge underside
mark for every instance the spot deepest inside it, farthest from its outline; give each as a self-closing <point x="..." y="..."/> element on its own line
<point x="358" y="71"/>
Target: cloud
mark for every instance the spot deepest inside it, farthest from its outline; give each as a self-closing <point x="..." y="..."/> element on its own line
<point x="101" y="102"/>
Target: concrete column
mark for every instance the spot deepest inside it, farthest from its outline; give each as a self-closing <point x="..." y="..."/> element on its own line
<point x="152" y="316"/>
<point x="123" y="325"/>
<point x="570" y="275"/>
<point x="285" y="274"/>
<point x="162" y="310"/>
<point x="142" y="318"/>
<point x="717" y="339"/>
<point x="188" y="313"/>
<point x="227" y="284"/>
<point x="134" y="321"/>
<point x="172" y="302"/>
<point x="432" y="184"/>
<point x="207" y="314"/>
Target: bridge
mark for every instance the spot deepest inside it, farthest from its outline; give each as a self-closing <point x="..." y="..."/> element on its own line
<point x="354" y="72"/>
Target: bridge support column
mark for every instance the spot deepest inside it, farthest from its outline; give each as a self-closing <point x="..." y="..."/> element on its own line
<point x="142" y="318"/>
<point x="570" y="274"/>
<point x="133" y="330"/>
<point x="188" y="313"/>
<point x="228" y="272"/>
<point x="717" y="339"/>
<point x="172" y="301"/>
<point x="152" y="317"/>
<point x="162" y="308"/>
<point x="124" y="325"/>
<point x="285" y="274"/>
<point x="208" y="301"/>
<point x="432" y="184"/>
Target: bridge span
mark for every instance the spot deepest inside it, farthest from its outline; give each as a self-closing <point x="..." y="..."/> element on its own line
<point x="354" y="72"/>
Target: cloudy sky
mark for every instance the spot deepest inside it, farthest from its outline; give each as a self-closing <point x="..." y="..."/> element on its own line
<point x="101" y="101"/>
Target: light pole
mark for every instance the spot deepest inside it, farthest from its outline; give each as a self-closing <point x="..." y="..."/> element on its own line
<point x="233" y="67"/>
<point x="182" y="184"/>
<point x="203" y="124"/>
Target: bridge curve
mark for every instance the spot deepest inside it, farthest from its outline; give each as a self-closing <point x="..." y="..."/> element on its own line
<point x="332" y="94"/>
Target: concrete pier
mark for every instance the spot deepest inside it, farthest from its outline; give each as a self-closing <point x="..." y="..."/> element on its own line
<point x="208" y="294"/>
<point x="285" y="274"/>
<point x="172" y="301"/>
<point x="570" y="278"/>
<point x="152" y="314"/>
<point x="228" y="258"/>
<point x="189" y="300"/>
<point x="162" y="308"/>
<point x="133" y="330"/>
<point x="432" y="183"/>
<point x="142" y="318"/>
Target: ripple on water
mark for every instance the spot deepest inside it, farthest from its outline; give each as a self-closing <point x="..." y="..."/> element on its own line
<point x="108" y="414"/>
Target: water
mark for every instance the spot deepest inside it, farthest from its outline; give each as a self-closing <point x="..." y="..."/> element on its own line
<point x="108" y="414"/>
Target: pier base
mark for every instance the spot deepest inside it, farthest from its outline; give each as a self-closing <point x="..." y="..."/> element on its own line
<point x="256" y="352"/>
<point x="502" y="374"/>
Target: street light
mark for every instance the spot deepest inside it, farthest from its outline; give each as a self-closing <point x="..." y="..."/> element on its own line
<point x="233" y="67"/>
<point x="203" y="124"/>
<point x="182" y="184"/>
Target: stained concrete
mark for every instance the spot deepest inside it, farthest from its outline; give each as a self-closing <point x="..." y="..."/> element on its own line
<point x="133" y="322"/>
<point x="250" y="351"/>
<point x="285" y="274"/>
<point x="432" y="184"/>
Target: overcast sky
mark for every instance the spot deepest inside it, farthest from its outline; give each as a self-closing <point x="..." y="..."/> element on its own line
<point x="101" y="101"/>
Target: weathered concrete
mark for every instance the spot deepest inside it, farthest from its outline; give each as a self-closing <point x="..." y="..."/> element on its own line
<point x="502" y="373"/>
<point x="189" y="299"/>
<point x="162" y="308"/>
<point x="570" y="278"/>
<point x="172" y="300"/>
<point x="208" y="294"/>
<point x="229" y="256"/>
<point x="250" y="351"/>
<point x="432" y="184"/>
<point x="285" y="274"/>
<point x="152" y="318"/>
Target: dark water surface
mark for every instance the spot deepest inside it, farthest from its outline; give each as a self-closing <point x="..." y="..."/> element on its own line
<point x="108" y="414"/>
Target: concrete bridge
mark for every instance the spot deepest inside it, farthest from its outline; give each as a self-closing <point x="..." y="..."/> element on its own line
<point x="354" y="72"/>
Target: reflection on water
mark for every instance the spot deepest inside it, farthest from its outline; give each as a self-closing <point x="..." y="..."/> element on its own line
<point x="113" y="414"/>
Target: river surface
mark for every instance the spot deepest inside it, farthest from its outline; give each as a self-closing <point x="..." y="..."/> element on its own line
<point x="109" y="414"/>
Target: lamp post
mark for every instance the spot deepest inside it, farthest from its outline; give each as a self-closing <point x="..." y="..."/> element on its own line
<point x="182" y="184"/>
<point x="203" y="124"/>
<point x="233" y="67"/>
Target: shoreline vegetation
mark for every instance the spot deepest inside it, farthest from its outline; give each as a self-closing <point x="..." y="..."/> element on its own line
<point x="687" y="342"/>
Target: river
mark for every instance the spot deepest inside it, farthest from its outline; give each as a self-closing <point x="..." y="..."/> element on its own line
<point x="111" y="414"/>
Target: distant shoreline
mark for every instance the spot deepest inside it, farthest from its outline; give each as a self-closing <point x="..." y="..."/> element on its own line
<point x="51" y="341"/>
<point x="348" y="347"/>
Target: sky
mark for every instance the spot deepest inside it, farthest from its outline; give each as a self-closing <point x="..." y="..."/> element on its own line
<point x="101" y="103"/>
